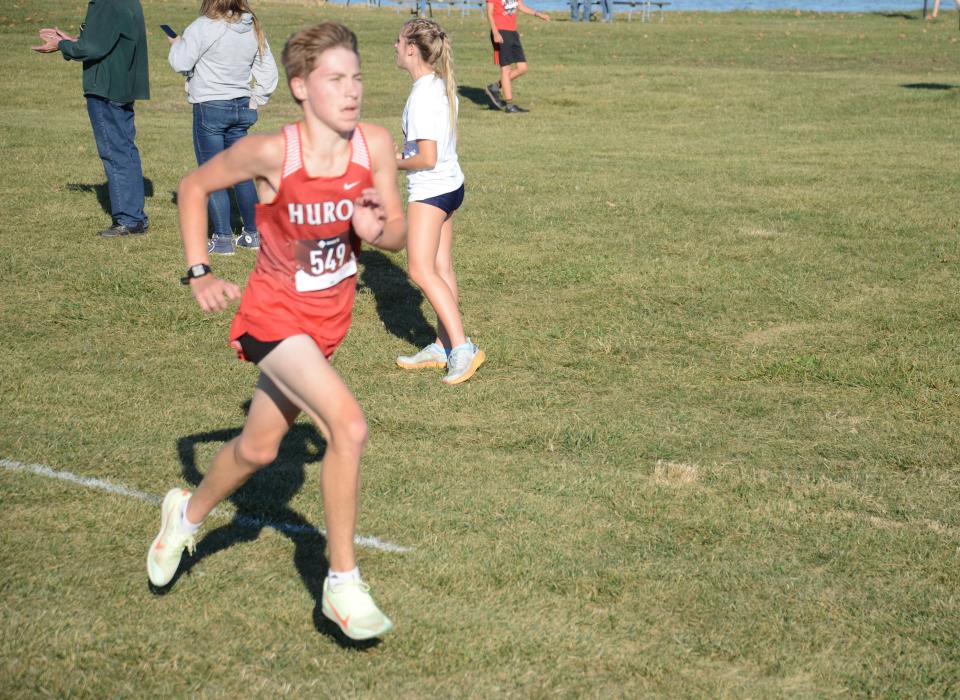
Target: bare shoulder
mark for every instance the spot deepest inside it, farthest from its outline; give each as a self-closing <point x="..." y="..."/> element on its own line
<point x="377" y="136"/>
<point x="267" y="147"/>
<point x="381" y="146"/>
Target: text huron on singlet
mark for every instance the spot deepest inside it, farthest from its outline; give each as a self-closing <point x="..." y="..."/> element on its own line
<point x="318" y="213"/>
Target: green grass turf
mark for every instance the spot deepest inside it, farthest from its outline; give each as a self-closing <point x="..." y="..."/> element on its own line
<point x="713" y="452"/>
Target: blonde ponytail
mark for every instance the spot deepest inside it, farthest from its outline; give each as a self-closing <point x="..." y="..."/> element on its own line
<point x="437" y="52"/>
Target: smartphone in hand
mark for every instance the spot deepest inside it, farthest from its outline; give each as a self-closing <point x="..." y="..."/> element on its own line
<point x="168" y="30"/>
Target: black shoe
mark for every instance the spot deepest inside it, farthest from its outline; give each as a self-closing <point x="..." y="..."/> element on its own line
<point x="121" y="230"/>
<point x="514" y="109"/>
<point x="493" y="92"/>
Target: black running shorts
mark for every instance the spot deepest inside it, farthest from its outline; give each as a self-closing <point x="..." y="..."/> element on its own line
<point x="510" y="50"/>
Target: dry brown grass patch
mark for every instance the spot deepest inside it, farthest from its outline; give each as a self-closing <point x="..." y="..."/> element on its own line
<point x="675" y="473"/>
<point x="755" y="232"/>
<point x="773" y="333"/>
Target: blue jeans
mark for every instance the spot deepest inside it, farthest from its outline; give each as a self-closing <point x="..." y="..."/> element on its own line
<point x="217" y="125"/>
<point x="606" y="10"/>
<point x="114" y="132"/>
<point x="574" y="10"/>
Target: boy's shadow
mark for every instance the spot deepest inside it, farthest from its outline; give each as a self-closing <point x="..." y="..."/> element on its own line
<point x="476" y="95"/>
<point x="264" y="502"/>
<point x="398" y="301"/>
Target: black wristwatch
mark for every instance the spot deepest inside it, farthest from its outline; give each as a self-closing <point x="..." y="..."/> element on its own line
<point x="194" y="271"/>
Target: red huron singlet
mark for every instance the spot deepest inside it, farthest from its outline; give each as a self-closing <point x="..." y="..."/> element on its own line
<point x="305" y="277"/>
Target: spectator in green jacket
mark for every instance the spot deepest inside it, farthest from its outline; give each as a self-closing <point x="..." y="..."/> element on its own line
<point x="113" y="47"/>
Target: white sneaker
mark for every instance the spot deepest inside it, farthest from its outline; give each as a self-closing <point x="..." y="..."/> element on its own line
<point x="350" y="606"/>
<point x="463" y="362"/>
<point x="163" y="559"/>
<point x="431" y="356"/>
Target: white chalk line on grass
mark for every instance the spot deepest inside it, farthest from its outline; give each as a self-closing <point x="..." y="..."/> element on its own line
<point x="243" y="520"/>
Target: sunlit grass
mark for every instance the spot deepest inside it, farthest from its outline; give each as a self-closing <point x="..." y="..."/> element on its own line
<point x="713" y="452"/>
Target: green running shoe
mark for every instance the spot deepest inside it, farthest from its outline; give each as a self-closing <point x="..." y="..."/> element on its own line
<point x="351" y="608"/>
<point x="163" y="559"/>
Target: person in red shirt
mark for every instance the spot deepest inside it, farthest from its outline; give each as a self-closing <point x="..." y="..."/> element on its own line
<point x="325" y="184"/>
<point x="507" y="51"/>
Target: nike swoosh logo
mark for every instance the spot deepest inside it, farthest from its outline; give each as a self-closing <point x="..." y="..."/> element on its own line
<point x="344" y="621"/>
<point x="350" y="185"/>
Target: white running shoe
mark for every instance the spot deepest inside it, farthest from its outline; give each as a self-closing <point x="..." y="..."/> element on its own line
<point x="463" y="362"/>
<point x="163" y="559"/>
<point x="431" y="356"/>
<point x="350" y="606"/>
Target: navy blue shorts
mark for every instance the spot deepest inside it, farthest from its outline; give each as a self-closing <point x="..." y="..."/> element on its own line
<point x="448" y="202"/>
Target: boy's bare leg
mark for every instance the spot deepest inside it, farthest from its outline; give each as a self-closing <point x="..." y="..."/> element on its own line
<point x="268" y="421"/>
<point x="270" y="417"/>
<point x="507" y="75"/>
<point x="506" y="89"/>
<point x="303" y="375"/>
<point x="425" y="233"/>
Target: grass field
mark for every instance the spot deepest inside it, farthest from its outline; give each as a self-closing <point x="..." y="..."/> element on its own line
<point x="713" y="453"/>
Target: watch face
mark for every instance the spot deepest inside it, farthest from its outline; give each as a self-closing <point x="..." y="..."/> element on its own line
<point x="197" y="270"/>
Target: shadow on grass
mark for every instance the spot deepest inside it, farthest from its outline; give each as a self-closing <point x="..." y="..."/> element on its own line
<point x="476" y="95"/>
<point x="928" y="86"/>
<point x="103" y="193"/>
<point x="398" y="301"/>
<point x="897" y="15"/>
<point x="263" y="502"/>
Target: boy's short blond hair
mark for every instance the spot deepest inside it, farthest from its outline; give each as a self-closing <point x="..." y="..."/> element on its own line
<point x="302" y="49"/>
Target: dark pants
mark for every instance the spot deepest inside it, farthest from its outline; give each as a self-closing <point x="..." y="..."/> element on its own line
<point x="114" y="132"/>
<point x="217" y="125"/>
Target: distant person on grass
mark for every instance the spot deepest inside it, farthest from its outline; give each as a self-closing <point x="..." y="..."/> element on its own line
<point x="326" y="183"/>
<point x="113" y="47"/>
<point x="435" y="182"/>
<point x="230" y="73"/>
<point x="575" y="6"/>
<point x="507" y="51"/>
<point x="936" y="8"/>
<point x="606" y="10"/>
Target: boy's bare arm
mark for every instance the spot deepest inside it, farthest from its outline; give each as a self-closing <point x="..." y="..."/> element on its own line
<point x="527" y="10"/>
<point x="497" y="39"/>
<point x="383" y="162"/>
<point x="253" y="157"/>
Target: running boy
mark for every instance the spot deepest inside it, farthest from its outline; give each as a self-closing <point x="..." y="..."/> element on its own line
<point x="325" y="183"/>
<point x="507" y="51"/>
<point x="435" y="182"/>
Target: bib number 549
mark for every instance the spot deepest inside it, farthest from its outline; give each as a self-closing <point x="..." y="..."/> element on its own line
<point x="327" y="260"/>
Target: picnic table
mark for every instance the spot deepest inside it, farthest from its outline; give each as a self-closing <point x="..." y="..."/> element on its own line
<point x="646" y="7"/>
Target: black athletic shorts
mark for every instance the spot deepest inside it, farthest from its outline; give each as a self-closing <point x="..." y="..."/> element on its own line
<point x="510" y="51"/>
<point x="255" y="350"/>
